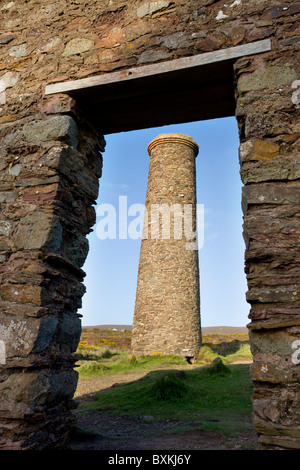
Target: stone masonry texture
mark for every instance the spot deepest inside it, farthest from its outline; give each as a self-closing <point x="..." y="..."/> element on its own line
<point x="167" y="309"/>
<point x="50" y="163"/>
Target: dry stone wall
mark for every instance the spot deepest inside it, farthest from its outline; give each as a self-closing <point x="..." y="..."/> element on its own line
<point x="269" y="157"/>
<point x="49" y="181"/>
<point x="49" y="169"/>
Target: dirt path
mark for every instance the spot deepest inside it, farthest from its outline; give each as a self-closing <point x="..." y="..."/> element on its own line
<point x="128" y="433"/>
<point x="88" y="387"/>
<point x="107" y="432"/>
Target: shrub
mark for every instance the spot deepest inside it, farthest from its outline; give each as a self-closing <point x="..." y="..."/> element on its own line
<point x="133" y="360"/>
<point x="107" y="354"/>
<point x="217" y="367"/>
<point x="92" y="368"/>
<point x="168" y="387"/>
<point x="206" y="354"/>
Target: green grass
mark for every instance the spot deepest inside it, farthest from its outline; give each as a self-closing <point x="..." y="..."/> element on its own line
<point x="98" y="361"/>
<point x="121" y="361"/>
<point x="214" y="396"/>
<point x="228" y="355"/>
<point x="168" y="387"/>
<point x="219" y="401"/>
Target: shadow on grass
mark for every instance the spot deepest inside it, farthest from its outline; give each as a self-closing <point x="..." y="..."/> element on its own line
<point x="226" y="348"/>
<point x="220" y="401"/>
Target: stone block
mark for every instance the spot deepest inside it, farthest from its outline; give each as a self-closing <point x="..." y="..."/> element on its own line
<point x="152" y="7"/>
<point x="271" y="76"/>
<point x="265" y="371"/>
<point x="76" y="292"/>
<point x="58" y="104"/>
<point x="56" y="128"/>
<point x="237" y="34"/>
<point x="76" y="249"/>
<point x="48" y="45"/>
<point x="39" y="231"/>
<point x="63" y="384"/>
<point x="77" y="46"/>
<point x="24" y="336"/>
<point x="277" y="442"/>
<point x="23" y="293"/>
<point x="8" y="80"/>
<point x="258" y="150"/>
<point x="276" y="294"/>
<point x="153" y="56"/>
<point x="273" y="343"/>
<point x="18" y="51"/>
<point x="270" y="193"/>
<point x="15" y="169"/>
<point x="266" y="125"/>
<point x="69" y="331"/>
<point x="281" y="10"/>
<point x="258" y="172"/>
<point x="39" y="387"/>
<point x="8" y="196"/>
<point x="46" y="192"/>
<point x="7" y="39"/>
<point x="277" y="414"/>
<point x="212" y="43"/>
<point x="175" y="41"/>
<point x="46" y="331"/>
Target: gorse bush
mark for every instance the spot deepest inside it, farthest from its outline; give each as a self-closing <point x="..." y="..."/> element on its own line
<point x="133" y="360"/>
<point x="169" y="387"/>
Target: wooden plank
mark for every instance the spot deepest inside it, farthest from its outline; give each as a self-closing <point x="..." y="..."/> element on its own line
<point x="161" y="68"/>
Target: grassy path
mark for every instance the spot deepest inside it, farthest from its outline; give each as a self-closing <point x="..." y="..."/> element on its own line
<point x="90" y="385"/>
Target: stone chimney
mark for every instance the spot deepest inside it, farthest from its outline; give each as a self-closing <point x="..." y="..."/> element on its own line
<point x="167" y="307"/>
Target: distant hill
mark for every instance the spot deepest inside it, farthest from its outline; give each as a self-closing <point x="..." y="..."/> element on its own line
<point x="223" y="330"/>
<point x="217" y="330"/>
<point x="110" y="327"/>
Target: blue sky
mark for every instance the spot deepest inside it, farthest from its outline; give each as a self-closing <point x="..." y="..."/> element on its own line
<point x="112" y="265"/>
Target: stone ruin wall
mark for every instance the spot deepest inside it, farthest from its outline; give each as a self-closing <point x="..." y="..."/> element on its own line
<point x="49" y="169"/>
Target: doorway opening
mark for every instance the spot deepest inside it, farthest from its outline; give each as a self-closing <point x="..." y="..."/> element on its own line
<point x="112" y="263"/>
<point x="147" y="97"/>
<point x="112" y="269"/>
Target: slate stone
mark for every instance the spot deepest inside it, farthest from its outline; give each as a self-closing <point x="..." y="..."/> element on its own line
<point x="76" y="250"/>
<point x="45" y="334"/>
<point x="7" y="39"/>
<point x="153" y="56"/>
<point x="56" y="128"/>
<point x="77" y="46"/>
<point x="274" y="75"/>
<point x="151" y="7"/>
<point x="69" y="331"/>
<point x="18" y="51"/>
<point x="39" y="231"/>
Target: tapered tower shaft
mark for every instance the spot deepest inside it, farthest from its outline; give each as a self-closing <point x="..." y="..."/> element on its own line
<point x="167" y="308"/>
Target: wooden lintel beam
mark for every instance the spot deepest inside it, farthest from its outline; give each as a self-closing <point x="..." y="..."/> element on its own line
<point x="160" y="68"/>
